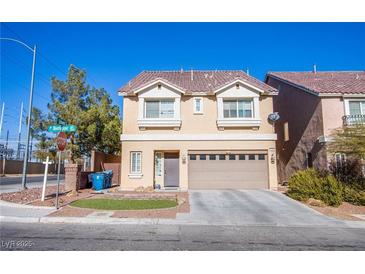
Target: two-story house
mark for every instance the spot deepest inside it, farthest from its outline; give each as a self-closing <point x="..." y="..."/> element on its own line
<point x="197" y="130"/>
<point x="311" y="106"/>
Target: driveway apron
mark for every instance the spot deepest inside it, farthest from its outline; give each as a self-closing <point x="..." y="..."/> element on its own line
<point x="250" y="207"/>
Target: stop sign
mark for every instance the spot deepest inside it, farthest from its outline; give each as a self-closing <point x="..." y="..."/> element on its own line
<point x="61" y="141"/>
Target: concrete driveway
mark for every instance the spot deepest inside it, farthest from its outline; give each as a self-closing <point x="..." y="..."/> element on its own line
<point x="250" y="207"/>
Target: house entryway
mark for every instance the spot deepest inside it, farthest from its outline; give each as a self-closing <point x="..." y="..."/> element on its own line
<point x="167" y="169"/>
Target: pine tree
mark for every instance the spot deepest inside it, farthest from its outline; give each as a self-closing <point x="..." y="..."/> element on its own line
<point x="90" y="109"/>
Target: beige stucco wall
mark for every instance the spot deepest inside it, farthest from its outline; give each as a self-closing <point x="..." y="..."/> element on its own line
<point x="149" y="147"/>
<point x="332" y="110"/>
<point x="194" y="123"/>
<point x="205" y="123"/>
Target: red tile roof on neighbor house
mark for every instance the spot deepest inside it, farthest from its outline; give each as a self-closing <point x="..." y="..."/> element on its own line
<point x="193" y="81"/>
<point x="326" y="82"/>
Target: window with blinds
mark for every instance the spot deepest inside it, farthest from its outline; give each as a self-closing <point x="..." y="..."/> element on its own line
<point x="159" y="109"/>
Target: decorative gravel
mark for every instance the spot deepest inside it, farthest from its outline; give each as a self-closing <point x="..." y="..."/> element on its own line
<point x="344" y="211"/>
<point x="29" y="195"/>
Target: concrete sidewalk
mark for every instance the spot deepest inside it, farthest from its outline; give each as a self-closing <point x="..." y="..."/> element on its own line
<point x="26" y="213"/>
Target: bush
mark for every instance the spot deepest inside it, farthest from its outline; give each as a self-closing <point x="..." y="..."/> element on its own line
<point x="310" y="183"/>
<point x="353" y="196"/>
<point x="349" y="173"/>
<point x="362" y="198"/>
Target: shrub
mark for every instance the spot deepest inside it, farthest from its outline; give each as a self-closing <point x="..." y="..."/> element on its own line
<point x="349" y="173"/>
<point x="353" y="196"/>
<point x="362" y="198"/>
<point x="310" y="183"/>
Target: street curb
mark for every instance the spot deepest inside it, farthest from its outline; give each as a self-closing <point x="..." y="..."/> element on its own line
<point x="12" y="219"/>
<point x="10" y="204"/>
<point x="150" y="221"/>
<point x="89" y="220"/>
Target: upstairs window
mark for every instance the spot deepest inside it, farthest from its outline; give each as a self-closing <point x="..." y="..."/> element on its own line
<point x="159" y="109"/>
<point x="238" y="108"/>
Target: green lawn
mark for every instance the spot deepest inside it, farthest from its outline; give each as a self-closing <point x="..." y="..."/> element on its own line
<point x="114" y="204"/>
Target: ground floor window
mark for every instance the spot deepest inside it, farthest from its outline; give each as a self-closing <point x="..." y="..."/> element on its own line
<point x="136" y="162"/>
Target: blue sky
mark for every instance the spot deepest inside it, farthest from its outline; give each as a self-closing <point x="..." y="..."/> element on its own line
<point x="113" y="53"/>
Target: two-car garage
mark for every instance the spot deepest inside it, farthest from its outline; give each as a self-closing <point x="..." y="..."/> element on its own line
<point x="228" y="170"/>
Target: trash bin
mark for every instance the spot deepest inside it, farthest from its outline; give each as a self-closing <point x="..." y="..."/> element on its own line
<point x="98" y="180"/>
<point x="90" y="180"/>
<point x="108" y="178"/>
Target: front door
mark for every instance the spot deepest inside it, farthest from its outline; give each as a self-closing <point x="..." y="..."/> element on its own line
<point x="171" y="164"/>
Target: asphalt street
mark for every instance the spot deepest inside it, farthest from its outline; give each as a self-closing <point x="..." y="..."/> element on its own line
<point x="13" y="183"/>
<point x="39" y="236"/>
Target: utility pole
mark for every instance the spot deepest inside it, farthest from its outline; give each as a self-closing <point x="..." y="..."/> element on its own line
<point x="2" y="118"/>
<point x="6" y="144"/>
<point x="7" y="139"/>
<point x="5" y="154"/>
<point x="20" y="130"/>
<point x="33" y="50"/>
<point x="31" y="148"/>
<point x="24" y="176"/>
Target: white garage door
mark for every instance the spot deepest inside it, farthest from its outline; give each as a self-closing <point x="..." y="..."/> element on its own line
<point x="220" y="170"/>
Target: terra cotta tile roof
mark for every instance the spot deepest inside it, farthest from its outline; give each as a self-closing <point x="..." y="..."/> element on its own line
<point x="194" y="82"/>
<point x="326" y="82"/>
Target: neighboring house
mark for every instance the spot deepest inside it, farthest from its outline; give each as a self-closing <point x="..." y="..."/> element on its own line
<point x="197" y="130"/>
<point x="311" y="105"/>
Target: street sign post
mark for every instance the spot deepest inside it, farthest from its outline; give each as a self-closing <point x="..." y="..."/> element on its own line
<point x="61" y="145"/>
<point x="45" y="178"/>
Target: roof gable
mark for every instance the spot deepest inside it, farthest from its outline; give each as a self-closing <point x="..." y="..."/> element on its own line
<point x="238" y="81"/>
<point x="157" y="82"/>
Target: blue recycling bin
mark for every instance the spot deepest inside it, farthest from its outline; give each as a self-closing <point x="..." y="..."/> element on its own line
<point x="108" y="178"/>
<point x="98" y="180"/>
